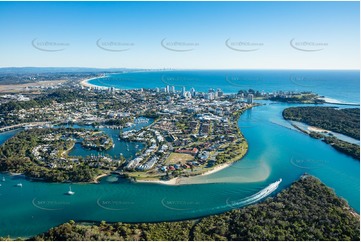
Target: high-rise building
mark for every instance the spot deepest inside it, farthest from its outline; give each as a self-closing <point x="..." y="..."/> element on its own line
<point x="187" y="95"/>
<point x="219" y="92"/>
<point x="157" y="89"/>
<point x="183" y="91"/>
<point x="193" y="92"/>
<point x="250" y="98"/>
<point x="167" y="89"/>
<point x="215" y="94"/>
<point x="111" y="90"/>
<point x="209" y="96"/>
<point x="173" y="89"/>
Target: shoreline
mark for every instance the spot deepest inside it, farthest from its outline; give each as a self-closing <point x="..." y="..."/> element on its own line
<point x="217" y="168"/>
<point x="172" y="182"/>
<point x="96" y="179"/>
<point x="177" y="180"/>
<point x="85" y="83"/>
<point x="329" y="100"/>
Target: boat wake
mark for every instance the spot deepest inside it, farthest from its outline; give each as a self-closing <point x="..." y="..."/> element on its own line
<point x="255" y="197"/>
<point x="244" y="201"/>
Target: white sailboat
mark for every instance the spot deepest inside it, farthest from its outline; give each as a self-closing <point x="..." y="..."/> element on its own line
<point x="3" y="178"/>
<point x="70" y="192"/>
<point x="19" y="185"/>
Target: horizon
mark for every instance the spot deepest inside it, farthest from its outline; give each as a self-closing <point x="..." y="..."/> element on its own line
<point x="170" y="69"/>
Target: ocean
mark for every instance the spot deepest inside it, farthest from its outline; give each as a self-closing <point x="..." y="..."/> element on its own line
<point x="337" y="86"/>
<point x="276" y="151"/>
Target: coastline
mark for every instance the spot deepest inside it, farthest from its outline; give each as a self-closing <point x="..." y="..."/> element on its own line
<point x="178" y="180"/>
<point x="172" y="182"/>
<point x="85" y="83"/>
<point x="96" y="179"/>
<point x="217" y="168"/>
<point x="337" y="102"/>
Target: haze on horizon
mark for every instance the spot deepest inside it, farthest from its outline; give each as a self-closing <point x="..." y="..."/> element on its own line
<point x="181" y="35"/>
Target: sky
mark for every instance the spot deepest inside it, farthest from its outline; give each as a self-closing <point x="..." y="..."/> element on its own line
<point x="181" y="35"/>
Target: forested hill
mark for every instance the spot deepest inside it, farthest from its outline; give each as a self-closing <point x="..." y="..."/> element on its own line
<point x="345" y="121"/>
<point x="308" y="210"/>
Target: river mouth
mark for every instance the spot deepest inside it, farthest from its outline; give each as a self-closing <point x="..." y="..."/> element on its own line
<point x="274" y="152"/>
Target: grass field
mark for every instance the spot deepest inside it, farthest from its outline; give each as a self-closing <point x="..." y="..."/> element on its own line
<point x="175" y="158"/>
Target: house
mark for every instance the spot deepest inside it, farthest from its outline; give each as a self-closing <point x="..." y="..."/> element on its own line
<point x="193" y="151"/>
<point x="185" y="166"/>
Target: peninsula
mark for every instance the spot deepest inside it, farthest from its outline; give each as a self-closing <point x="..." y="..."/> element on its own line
<point x="192" y="133"/>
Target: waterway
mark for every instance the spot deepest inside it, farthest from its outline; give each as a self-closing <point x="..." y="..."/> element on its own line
<point x="276" y="150"/>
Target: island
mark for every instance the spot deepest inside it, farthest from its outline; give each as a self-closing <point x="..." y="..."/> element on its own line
<point x="307" y="210"/>
<point x="326" y="120"/>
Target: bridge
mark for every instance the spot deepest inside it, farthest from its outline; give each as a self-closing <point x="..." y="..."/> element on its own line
<point x="22" y="125"/>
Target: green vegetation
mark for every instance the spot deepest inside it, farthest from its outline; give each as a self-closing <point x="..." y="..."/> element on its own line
<point x="42" y="101"/>
<point x="308" y="210"/>
<point x="233" y="152"/>
<point x="118" y="122"/>
<point x="344" y="147"/>
<point x="344" y="121"/>
<point x="303" y="97"/>
<point x="104" y="102"/>
<point x="48" y="161"/>
<point x="97" y="141"/>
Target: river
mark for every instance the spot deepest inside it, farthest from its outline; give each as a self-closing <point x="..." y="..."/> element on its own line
<point x="276" y="150"/>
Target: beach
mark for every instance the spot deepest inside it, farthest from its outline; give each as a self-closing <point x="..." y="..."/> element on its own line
<point x="85" y="83"/>
<point x="217" y="169"/>
<point x="96" y="179"/>
<point x="316" y="129"/>
<point x="174" y="181"/>
<point x="183" y="180"/>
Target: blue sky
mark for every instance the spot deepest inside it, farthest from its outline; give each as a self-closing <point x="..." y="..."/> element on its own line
<point x="261" y="35"/>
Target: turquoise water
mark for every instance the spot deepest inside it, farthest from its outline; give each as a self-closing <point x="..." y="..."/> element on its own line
<point x="276" y="150"/>
<point x="6" y="135"/>
<point x="343" y="86"/>
<point x="127" y="149"/>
